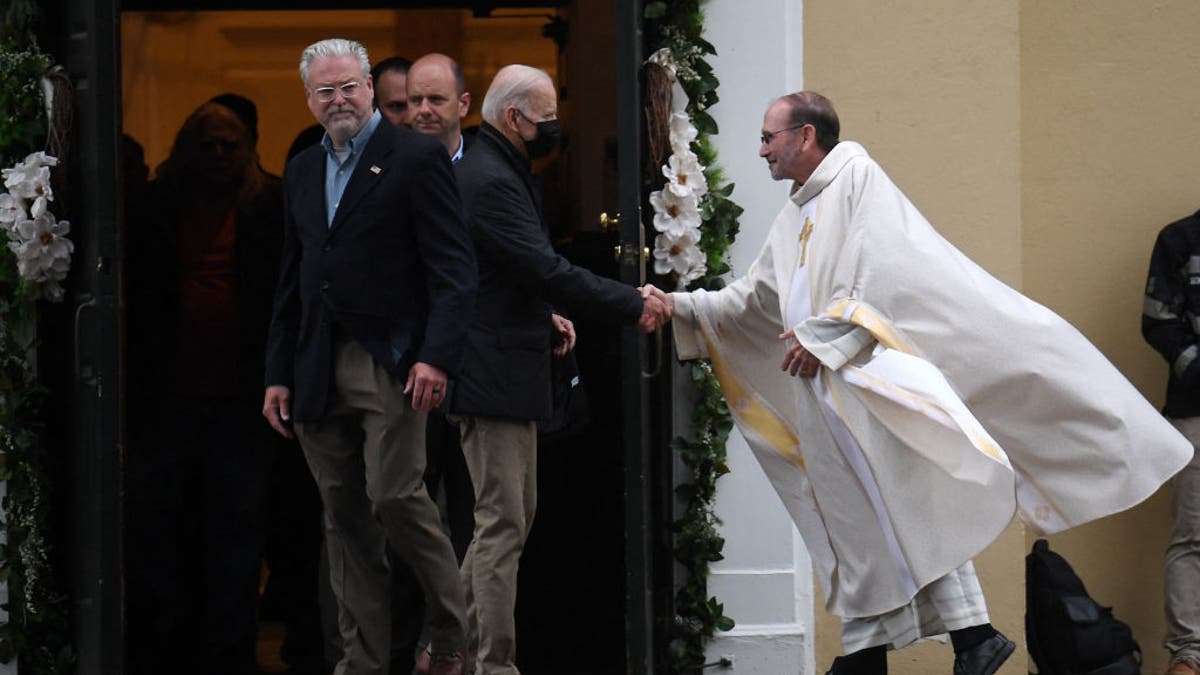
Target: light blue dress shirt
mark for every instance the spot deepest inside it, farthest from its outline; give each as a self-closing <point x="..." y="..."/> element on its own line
<point x="337" y="173"/>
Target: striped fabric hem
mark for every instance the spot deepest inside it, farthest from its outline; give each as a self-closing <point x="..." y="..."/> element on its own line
<point x="953" y="602"/>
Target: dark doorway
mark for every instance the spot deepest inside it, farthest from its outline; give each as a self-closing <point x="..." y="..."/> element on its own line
<point x="580" y="601"/>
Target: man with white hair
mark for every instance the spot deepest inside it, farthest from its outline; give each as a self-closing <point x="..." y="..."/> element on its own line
<point x="504" y="385"/>
<point x="376" y="288"/>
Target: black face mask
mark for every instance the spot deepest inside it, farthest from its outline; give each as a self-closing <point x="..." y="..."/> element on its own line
<point x="546" y="140"/>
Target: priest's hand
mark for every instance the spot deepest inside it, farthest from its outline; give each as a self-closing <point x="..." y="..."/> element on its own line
<point x="797" y="360"/>
<point x="657" y="308"/>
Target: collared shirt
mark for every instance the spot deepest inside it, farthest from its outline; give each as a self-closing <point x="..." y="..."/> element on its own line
<point x="339" y="169"/>
<point x="459" y="153"/>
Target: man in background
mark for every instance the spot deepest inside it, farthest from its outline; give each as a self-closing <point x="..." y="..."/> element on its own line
<point x="1169" y="324"/>
<point x="438" y="101"/>
<point x="391" y="89"/>
<point x="199" y="289"/>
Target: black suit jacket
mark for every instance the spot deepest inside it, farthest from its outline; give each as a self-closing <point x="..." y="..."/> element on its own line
<point x="395" y="270"/>
<point x="506" y="367"/>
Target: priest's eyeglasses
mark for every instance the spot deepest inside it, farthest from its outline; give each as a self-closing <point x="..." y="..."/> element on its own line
<point x="327" y="94"/>
<point x="767" y="136"/>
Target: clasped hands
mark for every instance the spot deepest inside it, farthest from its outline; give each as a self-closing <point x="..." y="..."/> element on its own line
<point x="657" y="308"/>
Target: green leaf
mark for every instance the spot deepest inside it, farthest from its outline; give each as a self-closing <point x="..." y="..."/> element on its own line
<point x="654" y="10"/>
<point x="704" y="123"/>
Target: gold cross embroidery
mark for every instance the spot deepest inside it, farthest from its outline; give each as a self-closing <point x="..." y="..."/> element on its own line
<point x="805" y="233"/>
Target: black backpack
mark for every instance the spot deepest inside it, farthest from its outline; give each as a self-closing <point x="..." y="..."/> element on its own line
<point x="1066" y="631"/>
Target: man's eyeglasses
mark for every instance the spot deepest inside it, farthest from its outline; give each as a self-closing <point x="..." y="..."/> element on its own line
<point x="768" y="135"/>
<point x="327" y="94"/>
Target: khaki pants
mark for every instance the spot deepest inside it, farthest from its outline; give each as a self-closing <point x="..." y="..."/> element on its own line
<point x="501" y="457"/>
<point x="368" y="456"/>
<point x="1182" y="572"/>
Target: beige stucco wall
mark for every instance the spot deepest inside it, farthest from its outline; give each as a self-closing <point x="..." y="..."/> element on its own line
<point x="1050" y="141"/>
<point x="1110" y="141"/>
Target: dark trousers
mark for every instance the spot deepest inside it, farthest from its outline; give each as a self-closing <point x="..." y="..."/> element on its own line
<point x="195" y="475"/>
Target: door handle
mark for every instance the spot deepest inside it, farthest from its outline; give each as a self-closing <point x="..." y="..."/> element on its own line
<point x="630" y="251"/>
<point x="608" y="222"/>
<point x="86" y="302"/>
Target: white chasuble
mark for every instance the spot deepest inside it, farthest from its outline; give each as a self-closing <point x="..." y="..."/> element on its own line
<point x="946" y="401"/>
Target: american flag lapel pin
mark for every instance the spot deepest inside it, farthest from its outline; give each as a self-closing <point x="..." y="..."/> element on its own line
<point x="376" y="170"/>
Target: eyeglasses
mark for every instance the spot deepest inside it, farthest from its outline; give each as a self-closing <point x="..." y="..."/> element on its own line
<point x="327" y="94"/>
<point x="767" y="136"/>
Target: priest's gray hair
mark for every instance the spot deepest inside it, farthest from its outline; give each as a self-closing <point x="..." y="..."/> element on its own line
<point x="511" y="88"/>
<point x="809" y="107"/>
<point x="334" y="47"/>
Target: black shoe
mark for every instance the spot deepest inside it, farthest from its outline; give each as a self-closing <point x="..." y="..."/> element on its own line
<point x="844" y="666"/>
<point x="984" y="658"/>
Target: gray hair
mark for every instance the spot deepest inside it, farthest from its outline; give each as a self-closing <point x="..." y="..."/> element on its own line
<point x="334" y="47"/>
<point x="510" y="88"/>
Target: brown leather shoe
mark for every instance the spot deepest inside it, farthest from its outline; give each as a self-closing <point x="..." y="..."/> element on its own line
<point x="1185" y="667"/>
<point x="447" y="664"/>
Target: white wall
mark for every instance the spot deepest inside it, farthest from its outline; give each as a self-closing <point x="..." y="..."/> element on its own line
<point x="765" y="580"/>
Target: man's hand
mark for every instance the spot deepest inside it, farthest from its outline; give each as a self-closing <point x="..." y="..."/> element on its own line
<point x="657" y="308"/>
<point x="798" y="360"/>
<point x="277" y="408"/>
<point x="427" y="384"/>
<point x="566" y="334"/>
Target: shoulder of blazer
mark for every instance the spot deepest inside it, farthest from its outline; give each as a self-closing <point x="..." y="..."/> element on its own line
<point x="304" y="171"/>
<point x="485" y="163"/>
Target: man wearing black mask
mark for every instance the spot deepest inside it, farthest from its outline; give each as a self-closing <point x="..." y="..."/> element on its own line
<point x="503" y="387"/>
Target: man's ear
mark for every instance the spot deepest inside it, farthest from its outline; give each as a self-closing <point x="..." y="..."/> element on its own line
<point x="464" y="104"/>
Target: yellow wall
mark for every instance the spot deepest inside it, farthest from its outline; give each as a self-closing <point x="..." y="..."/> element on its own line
<point x="1110" y="141"/>
<point x="1050" y="141"/>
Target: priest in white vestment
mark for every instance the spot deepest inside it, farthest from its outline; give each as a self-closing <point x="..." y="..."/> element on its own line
<point x="921" y="401"/>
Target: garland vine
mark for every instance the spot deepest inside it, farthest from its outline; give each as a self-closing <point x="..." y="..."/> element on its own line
<point x="677" y="26"/>
<point x="34" y="628"/>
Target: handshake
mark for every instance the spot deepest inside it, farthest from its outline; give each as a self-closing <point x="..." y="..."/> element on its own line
<point x="657" y="308"/>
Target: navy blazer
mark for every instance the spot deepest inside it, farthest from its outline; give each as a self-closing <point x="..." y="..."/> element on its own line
<point x="395" y="270"/>
<point x="506" y="367"/>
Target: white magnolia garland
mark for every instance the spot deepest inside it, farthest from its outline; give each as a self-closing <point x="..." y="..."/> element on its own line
<point x="34" y="235"/>
<point x="677" y="206"/>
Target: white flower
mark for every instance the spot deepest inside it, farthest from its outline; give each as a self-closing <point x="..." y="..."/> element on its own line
<point x="663" y="58"/>
<point x="685" y="176"/>
<point x="11" y="210"/>
<point x="28" y="181"/>
<point x="682" y="132"/>
<point x="679" y="254"/>
<point x="36" y="159"/>
<point x="52" y="291"/>
<point x="674" y="214"/>
<point x="42" y="249"/>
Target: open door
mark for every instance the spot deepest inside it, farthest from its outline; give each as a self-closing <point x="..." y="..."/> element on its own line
<point x="645" y="387"/>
